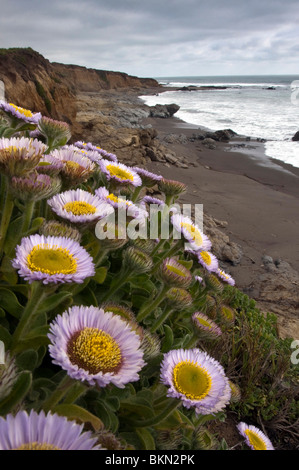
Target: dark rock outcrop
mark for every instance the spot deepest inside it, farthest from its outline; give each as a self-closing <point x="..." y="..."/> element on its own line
<point x="163" y="110"/>
<point x="296" y="137"/>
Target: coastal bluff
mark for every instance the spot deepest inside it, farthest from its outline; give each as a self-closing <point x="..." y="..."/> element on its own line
<point x="33" y="82"/>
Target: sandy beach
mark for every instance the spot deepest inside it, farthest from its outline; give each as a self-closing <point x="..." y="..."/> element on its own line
<point x="253" y="200"/>
<point x="256" y="201"/>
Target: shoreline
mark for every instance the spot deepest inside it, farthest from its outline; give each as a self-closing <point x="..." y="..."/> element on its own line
<point x="185" y="125"/>
<point x="250" y="201"/>
<point x="255" y="202"/>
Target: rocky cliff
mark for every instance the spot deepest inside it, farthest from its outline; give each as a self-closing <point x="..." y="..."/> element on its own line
<point x="33" y="82"/>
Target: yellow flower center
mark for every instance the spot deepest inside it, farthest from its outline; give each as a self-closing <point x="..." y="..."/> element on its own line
<point x="79" y="208"/>
<point x="37" y="446"/>
<point x="255" y="440"/>
<point x="70" y="165"/>
<point x="194" y="233"/>
<point x="118" y="200"/>
<point x="51" y="260"/>
<point x="205" y="256"/>
<point x="24" y="111"/>
<point x="175" y="270"/>
<point x="95" y="351"/>
<point x="119" y="172"/>
<point x="192" y="380"/>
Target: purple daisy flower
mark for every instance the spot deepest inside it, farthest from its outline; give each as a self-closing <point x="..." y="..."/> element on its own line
<point x="120" y="173"/>
<point x="254" y="437"/>
<point x="148" y="179"/>
<point x="52" y="260"/>
<point x="40" y="431"/>
<point x="103" y="153"/>
<point x="196" y="239"/>
<point x="20" y="113"/>
<point x="20" y="155"/>
<point x="79" y="206"/>
<point x="35" y="186"/>
<point x="49" y="165"/>
<point x="76" y="167"/>
<point x="225" y="277"/>
<point x="207" y="260"/>
<point x="120" y="202"/>
<point x="153" y="200"/>
<point x="96" y="347"/>
<point x="197" y="379"/>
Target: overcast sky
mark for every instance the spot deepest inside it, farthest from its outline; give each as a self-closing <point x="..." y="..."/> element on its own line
<point x="156" y="38"/>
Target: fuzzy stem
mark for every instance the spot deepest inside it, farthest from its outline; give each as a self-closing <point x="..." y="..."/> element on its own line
<point x="64" y="387"/>
<point x="149" y="307"/>
<point x="168" y="199"/>
<point x="158" y="246"/>
<point x="192" y="342"/>
<point x="117" y="284"/>
<point x="161" y="319"/>
<point x="37" y="296"/>
<point x="100" y="256"/>
<point x="27" y="216"/>
<point x="136" y="193"/>
<point x="6" y="215"/>
<point x="173" y="404"/>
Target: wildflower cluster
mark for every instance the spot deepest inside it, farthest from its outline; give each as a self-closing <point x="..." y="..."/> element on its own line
<point x="105" y="328"/>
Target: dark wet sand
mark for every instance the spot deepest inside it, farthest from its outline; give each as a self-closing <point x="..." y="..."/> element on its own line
<point x="257" y="196"/>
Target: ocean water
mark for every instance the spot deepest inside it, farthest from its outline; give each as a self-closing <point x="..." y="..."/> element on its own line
<point x="265" y="107"/>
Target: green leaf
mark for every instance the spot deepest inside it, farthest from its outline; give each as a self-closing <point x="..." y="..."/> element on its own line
<point x="32" y="343"/>
<point x="53" y="301"/>
<point x="2" y="313"/>
<point x="10" y="303"/>
<point x="5" y="336"/>
<point x="87" y="297"/>
<point x="79" y="414"/>
<point x="138" y="300"/>
<point x="187" y="264"/>
<point x="9" y="273"/>
<point x="21" y="288"/>
<point x="147" y="440"/>
<point x="37" y="332"/>
<point x="35" y="225"/>
<point x="100" y="275"/>
<point x="27" y="360"/>
<point x="19" y="390"/>
<point x="13" y="235"/>
<point x="168" y="339"/>
<point x="138" y="406"/>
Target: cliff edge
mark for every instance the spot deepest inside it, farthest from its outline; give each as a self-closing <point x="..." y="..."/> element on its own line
<point x="33" y="82"/>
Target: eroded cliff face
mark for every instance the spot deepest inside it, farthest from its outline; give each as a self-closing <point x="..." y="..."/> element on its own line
<point x="33" y="82"/>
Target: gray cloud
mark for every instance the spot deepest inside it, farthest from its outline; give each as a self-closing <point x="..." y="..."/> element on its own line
<point x="190" y="37"/>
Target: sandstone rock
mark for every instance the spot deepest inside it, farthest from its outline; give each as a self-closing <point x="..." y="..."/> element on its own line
<point x="171" y="158"/>
<point x="232" y="253"/>
<point x="209" y="143"/>
<point x="279" y="293"/>
<point x="223" y="248"/>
